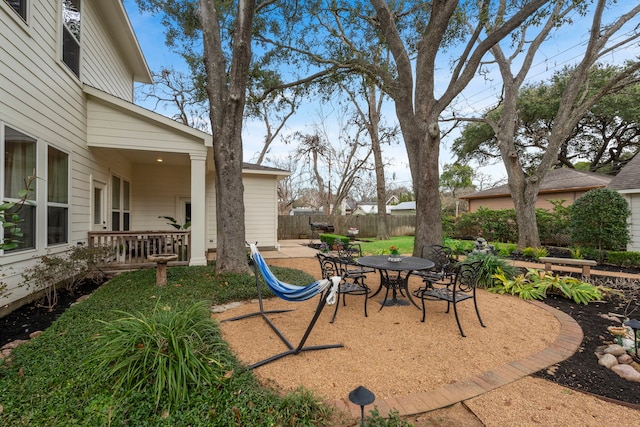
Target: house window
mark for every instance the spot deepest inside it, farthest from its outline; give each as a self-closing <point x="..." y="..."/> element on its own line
<point x="19" y="152"/>
<point x="20" y="6"/>
<point x="71" y="35"/>
<point x="57" y="196"/>
<point x="120" y="215"/>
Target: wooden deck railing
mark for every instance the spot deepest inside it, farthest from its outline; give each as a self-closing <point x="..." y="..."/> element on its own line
<point x="131" y="248"/>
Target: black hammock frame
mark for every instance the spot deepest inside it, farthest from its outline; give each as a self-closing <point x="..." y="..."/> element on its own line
<point x="291" y="348"/>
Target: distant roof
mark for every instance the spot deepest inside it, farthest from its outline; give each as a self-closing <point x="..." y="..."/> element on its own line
<point x="404" y="206"/>
<point x="629" y="177"/>
<point x="251" y="167"/>
<point x="556" y="181"/>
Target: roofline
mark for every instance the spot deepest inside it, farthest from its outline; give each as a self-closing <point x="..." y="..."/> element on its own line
<point x="280" y="174"/>
<point x="148" y="114"/>
<point x="558" y="190"/>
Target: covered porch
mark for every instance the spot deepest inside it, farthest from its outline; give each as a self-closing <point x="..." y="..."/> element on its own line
<point x="162" y="166"/>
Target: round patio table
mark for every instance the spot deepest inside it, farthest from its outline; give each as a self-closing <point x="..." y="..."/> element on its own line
<point x="398" y="280"/>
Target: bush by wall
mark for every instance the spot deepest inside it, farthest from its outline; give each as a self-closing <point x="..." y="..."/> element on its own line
<point x="599" y="219"/>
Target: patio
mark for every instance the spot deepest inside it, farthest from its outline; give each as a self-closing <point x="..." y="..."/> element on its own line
<point x="411" y="366"/>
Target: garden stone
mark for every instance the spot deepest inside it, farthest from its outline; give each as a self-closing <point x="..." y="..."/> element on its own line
<point x="13" y="344"/>
<point x="615" y="349"/>
<point x="224" y="307"/>
<point x="625" y="359"/>
<point x="608" y="360"/>
<point x="627" y="372"/>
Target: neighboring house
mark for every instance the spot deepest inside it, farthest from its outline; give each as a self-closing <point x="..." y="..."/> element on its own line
<point x="103" y="164"/>
<point x="564" y="183"/>
<point x="369" y="209"/>
<point x="404" y="208"/>
<point x="627" y="183"/>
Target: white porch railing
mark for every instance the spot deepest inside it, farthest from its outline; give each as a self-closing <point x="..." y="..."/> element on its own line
<point x="131" y="248"/>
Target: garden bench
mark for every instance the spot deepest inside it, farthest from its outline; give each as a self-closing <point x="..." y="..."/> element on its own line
<point x="585" y="263"/>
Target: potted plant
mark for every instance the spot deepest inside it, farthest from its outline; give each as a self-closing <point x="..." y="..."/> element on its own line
<point x="394" y="255"/>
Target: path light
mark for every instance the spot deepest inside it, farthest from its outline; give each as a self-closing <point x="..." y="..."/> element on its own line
<point x="361" y="397"/>
<point x="634" y="324"/>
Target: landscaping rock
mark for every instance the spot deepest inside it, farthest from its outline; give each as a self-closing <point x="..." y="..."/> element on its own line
<point x="625" y="359"/>
<point x="615" y="349"/>
<point x="224" y="307"/>
<point x="13" y="344"/>
<point x="627" y="372"/>
<point x="608" y="361"/>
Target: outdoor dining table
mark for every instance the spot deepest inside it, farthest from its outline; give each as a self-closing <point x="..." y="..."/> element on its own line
<point x="398" y="279"/>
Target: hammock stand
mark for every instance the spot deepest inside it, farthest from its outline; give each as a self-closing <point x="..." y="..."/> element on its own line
<point x="293" y="293"/>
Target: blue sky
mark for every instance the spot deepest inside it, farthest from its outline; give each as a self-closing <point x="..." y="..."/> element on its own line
<point x="563" y="49"/>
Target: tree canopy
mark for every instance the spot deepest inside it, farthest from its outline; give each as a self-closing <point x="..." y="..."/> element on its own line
<point x="604" y="139"/>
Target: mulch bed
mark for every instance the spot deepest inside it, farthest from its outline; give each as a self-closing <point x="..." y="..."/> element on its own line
<point x="581" y="371"/>
<point x="35" y="317"/>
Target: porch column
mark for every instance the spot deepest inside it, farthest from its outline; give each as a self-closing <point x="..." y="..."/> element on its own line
<point x="198" y="209"/>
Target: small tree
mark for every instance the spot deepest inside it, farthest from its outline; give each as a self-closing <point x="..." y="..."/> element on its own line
<point x="599" y="219"/>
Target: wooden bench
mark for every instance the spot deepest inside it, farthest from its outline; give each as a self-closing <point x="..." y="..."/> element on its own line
<point x="585" y="263"/>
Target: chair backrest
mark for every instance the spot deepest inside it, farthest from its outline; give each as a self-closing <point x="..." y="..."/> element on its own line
<point x="329" y="266"/>
<point x="440" y="255"/>
<point x="349" y="252"/>
<point x="468" y="275"/>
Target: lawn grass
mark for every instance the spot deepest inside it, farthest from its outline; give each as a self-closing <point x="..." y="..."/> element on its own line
<point x="381" y="247"/>
<point x="50" y="382"/>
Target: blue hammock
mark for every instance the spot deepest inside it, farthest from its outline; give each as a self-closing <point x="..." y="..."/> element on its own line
<point x="326" y="288"/>
<point x="290" y="292"/>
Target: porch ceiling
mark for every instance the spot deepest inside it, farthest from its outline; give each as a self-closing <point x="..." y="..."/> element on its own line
<point x="150" y="157"/>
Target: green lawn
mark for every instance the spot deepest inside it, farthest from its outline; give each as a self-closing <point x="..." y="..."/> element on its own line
<point x="381" y="247"/>
<point x="54" y="381"/>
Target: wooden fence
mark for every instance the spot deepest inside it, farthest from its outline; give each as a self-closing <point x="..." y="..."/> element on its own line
<point x="298" y="227"/>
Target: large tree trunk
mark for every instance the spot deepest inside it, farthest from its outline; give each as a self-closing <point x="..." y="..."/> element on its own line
<point x="227" y="95"/>
<point x="525" y="193"/>
<point x="422" y="141"/>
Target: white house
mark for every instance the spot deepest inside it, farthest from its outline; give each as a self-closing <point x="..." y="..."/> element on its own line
<point x="627" y="183"/>
<point x="103" y="164"/>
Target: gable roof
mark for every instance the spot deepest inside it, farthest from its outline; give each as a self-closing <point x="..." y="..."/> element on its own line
<point x="629" y="177"/>
<point x="556" y="181"/>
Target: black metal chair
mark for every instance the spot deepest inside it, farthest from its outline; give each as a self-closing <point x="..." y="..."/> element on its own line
<point x="347" y="256"/>
<point x="443" y="270"/>
<point x="351" y="284"/>
<point x="461" y="288"/>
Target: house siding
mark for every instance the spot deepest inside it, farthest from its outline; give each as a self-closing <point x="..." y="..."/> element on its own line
<point x="634" y="221"/>
<point x="40" y="97"/>
<point x="103" y="66"/>
<point x="260" y="198"/>
<point x="91" y="120"/>
<point x="154" y="193"/>
<point x="543" y="201"/>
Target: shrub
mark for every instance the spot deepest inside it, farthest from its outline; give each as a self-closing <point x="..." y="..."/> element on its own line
<point x="330" y="239"/>
<point x="535" y="284"/>
<point x="535" y="253"/>
<point x="623" y="258"/>
<point x="599" y="219"/>
<point x="68" y="269"/>
<point x="170" y="350"/>
<point x="491" y="265"/>
<point x="505" y="249"/>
